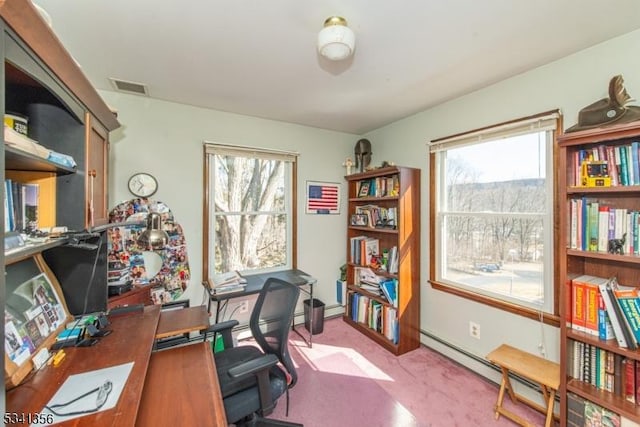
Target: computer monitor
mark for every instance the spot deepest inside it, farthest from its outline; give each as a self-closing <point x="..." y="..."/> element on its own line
<point x="82" y="273"/>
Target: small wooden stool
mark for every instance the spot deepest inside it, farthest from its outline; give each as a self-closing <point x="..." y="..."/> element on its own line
<point x="532" y="367"/>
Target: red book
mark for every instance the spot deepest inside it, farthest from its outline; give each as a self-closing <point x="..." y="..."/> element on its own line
<point x="629" y="379"/>
<point x="591" y="308"/>
<point x="578" y="317"/>
<point x="637" y="381"/>
<point x="568" y="298"/>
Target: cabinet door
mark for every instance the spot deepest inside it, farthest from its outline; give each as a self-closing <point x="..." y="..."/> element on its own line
<point x="97" y="149"/>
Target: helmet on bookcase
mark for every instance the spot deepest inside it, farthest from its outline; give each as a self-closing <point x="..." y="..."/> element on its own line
<point x="363" y="154"/>
<point x="608" y="111"/>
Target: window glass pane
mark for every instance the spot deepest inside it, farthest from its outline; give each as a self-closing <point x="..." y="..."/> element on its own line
<point x="259" y="249"/>
<point x="495" y="217"/>
<point x="250" y="220"/>
<point x="506" y="175"/>
<point x="496" y="254"/>
<point x="244" y="184"/>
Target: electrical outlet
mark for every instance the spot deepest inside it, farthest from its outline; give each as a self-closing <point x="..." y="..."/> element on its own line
<point x="244" y="306"/>
<point x="474" y="330"/>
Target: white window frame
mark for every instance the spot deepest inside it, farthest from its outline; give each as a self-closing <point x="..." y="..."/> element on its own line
<point x="209" y="218"/>
<point x="548" y="123"/>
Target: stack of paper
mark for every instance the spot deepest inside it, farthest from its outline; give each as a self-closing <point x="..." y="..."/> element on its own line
<point x="227" y="282"/>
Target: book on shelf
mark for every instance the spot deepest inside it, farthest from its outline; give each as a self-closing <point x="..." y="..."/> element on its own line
<point x="389" y="289"/>
<point x="364" y="251"/>
<point x="622" y="335"/>
<point x="21" y="208"/>
<point x="622" y="161"/>
<point x="596" y="415"/>
<point x="371" y="251"/>
<point x="393" y="260"/>
<point x="366" y="279"/>
<point x="592" y="302"/>
<point x="376" y="316"/>
<point x="628" y="300"/>
<point x="575" y="410"/>
<point x="363" y="188"/>
<point x="634" y="147"/>
<point x="591" y="231"/>
<point x="605" y="328"/>
<point x="578" y="306"/>
<point x="629" y="381"/>
<point x="379" y="187"/>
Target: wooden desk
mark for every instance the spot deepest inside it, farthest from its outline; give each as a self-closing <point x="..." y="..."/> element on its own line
<point x="184" y="376"/>
<point x="542" y="371"/>
<point x="182" y="389"/>
<point x="182" y="321"/>
<point x="131" y="341"/>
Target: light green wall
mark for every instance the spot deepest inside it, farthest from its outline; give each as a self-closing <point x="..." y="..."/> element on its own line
<point x="165" y="139"/>
<point x="568" y="84"/>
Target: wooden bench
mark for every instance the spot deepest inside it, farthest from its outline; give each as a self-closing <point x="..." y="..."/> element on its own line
<point x="531" y="367"/>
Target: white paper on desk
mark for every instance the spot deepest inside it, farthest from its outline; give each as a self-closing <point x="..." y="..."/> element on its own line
<point x="77" y="385"/>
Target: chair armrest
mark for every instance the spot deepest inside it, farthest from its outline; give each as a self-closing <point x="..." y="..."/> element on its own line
<point x="253" y="366"/>
<point x="223" y="328"/>
<point x="259" y="367"/>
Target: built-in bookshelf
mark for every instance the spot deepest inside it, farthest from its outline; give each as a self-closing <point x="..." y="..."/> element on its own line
<point x="383" y="257"/>
<point x="599" y="241"/>
<point x="54" y="178"/>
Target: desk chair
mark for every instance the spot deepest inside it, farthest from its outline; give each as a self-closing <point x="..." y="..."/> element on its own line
<point x="251" y="380"/>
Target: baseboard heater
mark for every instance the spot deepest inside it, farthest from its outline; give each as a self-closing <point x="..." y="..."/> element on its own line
<point x="485" y="362"/>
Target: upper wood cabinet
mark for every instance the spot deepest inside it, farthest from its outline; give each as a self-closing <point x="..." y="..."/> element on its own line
<point x="97" y="150"/>
<point x="66" y="115"/>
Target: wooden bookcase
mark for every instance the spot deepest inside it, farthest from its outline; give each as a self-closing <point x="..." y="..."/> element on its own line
<point x="395" y="189"/>
<point x="67" y="116"/>
<point x="574" y="261"/>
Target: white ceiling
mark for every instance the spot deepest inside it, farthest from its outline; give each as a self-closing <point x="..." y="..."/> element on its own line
<point x="258" y="58"/>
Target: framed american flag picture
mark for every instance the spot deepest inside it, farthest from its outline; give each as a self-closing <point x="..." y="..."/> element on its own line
<point x="323" y="198"/>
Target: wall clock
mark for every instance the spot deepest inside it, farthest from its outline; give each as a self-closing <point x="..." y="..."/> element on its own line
<point x="143" y="184"/>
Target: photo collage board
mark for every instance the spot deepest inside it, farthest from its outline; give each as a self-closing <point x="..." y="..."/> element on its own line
<point x="126" y="259"/>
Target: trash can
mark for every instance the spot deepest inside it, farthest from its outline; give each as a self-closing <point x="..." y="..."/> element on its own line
<point x="314" y="311"/>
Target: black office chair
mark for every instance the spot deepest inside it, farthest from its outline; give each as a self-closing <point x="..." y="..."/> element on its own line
<point x="251" y="380"/>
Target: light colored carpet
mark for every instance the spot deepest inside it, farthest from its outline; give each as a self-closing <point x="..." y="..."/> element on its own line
<point x="347" y="380"/>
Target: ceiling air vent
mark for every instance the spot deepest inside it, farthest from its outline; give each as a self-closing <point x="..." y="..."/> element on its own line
<point x="129" y="87"/>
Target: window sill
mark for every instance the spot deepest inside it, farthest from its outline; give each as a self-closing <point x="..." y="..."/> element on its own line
<point x="547" y="318"/>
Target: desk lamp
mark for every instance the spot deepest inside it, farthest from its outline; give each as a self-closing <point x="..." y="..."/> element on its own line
<point x="154" y="237"/>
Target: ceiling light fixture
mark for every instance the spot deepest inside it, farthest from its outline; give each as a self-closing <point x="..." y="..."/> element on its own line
<point x="336" y="41"/>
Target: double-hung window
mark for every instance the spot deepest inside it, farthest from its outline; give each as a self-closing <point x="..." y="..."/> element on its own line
<point x="249" y="216"/>
<point x="492" y="216"/>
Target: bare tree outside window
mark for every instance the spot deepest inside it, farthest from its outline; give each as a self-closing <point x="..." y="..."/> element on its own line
<point x="249" y="215"/>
